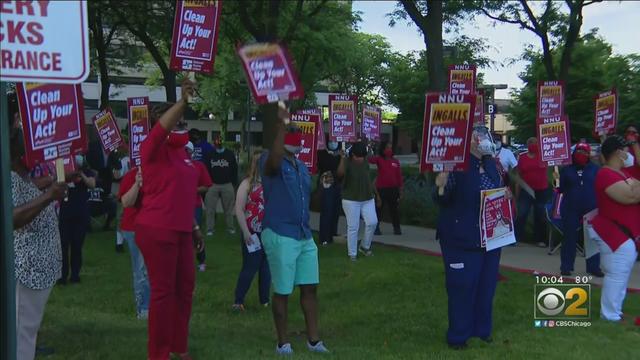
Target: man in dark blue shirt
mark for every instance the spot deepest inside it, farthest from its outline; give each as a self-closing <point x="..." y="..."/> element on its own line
<point x="291" y="252"/>
<point x="577" y="184"/>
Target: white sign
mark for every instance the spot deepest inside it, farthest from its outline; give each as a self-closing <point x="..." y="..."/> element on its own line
<point x="44" y="41"/>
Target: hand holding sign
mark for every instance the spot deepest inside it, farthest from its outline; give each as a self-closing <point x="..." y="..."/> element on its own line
<point x="57" y="191"/>
<point x="188" y="89"/>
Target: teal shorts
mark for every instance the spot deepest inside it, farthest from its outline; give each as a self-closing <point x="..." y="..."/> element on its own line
<point x="292" y="262"/>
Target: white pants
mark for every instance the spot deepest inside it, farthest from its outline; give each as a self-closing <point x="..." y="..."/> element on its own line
<point x="353" y="210"/>
<point x="617" y="268"/>
<point x="29" y="311"/>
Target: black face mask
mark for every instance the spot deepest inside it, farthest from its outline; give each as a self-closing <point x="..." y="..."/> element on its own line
<point x="16" y="139"/>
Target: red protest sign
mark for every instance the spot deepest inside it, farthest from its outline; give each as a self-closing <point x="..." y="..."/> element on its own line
<point x="448" y="124"/>
<point x="309" y="152"/>
<point x="554" y="140"/>
<point x="462" y="79"/>
<point x="606" y="112"/>
<point x="270" y="72"/>
<point x="316" y="116"/>
<point x="478" y="114"/>
<point x="69" y="163"/>
<point x="371" y="122"/>
<point x="44" y="41"/>
<point x="195" y="35"/>
<point x="108" y="131"/>
<point x="550" y="99"/>
<point x="138" y="114"/>
<point x="342" y="117"/>
<point x="52" y="120"/>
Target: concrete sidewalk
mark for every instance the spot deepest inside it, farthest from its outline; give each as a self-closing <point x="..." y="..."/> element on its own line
<point x="523" y="257"/>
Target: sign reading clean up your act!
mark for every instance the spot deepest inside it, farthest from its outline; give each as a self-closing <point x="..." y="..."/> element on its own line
<point x="195" y="35"/>
<point x="606" y="112"/>
<point x="108" y="131"/>
<point x="52" y="119"/>
<point x="138" y="111"/>
<point x="553" y="137"/>
<point x="342" y="117"/>
<point x="371" y="122"/>
<point x="448" y="123"/>
<point x="550" y="99"/>
<point x="270" y="72"/>
<point x="44" y="41"/>
<point x="462" y="79"/>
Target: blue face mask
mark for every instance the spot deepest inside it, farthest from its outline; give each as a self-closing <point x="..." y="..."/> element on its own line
<point x="220" y="150"/>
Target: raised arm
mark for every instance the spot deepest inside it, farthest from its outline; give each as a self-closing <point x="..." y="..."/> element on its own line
<point x="274" y="159"/>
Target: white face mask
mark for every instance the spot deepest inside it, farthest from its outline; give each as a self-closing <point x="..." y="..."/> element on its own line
<point x="498" y="145"/>
<point x="79" y="160"/>
<point x="485" y="147"/>
<point x="629" y="161"/>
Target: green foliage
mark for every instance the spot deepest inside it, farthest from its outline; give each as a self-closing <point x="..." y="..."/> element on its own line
<point x="406" y="83"/>
<point x="595" y="69"/>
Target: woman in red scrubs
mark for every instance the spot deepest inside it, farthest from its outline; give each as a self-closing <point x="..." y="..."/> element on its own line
<point x="166" y="231"/>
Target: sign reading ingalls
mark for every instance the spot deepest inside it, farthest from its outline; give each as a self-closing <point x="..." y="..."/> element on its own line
<point x="33" y="47"/>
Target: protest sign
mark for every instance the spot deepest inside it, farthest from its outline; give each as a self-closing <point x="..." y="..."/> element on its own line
<point x="138" y="114"/>
<point x="447" y="132"/>
<point x="371" y="122"/>
<point x="342" y="117"/>
<point x="606" y="112"/>
<point x="195" y="35"/>
<point x="478" y="114"/>
<point x="108" y="131"/>
<point x="462" y="79"/>
<point x="270" y="72"/>
<point x="44" y="41"/>
<point x="314" y="115"/>
<point x="550" y="99"/>
<point x="309" y="152"/>
<point x="496" y="220"/>
<point x="52" y="121"/>
<point x="554" y="140"/>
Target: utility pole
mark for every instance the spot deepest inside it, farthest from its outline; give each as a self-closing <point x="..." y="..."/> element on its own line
<point x="489" y="99"/>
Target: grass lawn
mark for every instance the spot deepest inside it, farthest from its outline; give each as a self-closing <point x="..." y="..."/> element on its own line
<point x="390" y="306"/>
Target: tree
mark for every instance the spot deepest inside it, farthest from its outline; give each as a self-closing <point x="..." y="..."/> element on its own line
<point x="405" y="87"/>
<point x="598" y="70"/>
<point x="553" y="27"/>
<point x="430" y="16"/>
<point x="151" y="22"/>
<point x="101" y="37"/>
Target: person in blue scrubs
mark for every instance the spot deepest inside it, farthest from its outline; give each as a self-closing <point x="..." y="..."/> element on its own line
<point x="471" y="272"/>
<point x="577" y="184"/>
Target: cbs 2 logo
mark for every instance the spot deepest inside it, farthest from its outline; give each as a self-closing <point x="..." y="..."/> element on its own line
<point x="563" y="301"/>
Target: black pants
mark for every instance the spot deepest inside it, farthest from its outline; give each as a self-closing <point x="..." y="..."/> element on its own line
<point x="72" y="234"/>
<point x="107" y="206"/>
<point x="329" y="213"/>
<point x="524" y="203"/>
<point x="391" y="199"/>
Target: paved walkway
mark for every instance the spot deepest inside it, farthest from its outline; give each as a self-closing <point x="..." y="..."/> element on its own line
<point x="523" y="258"/>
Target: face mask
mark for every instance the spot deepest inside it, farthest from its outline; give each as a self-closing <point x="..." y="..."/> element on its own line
<point x="533" y="148"/>
<point x="631" y="136"/>
<point x="178" y="139"/>
<point x="293" y="149"/>
<point x="629" y="161"/>
<point x="580" y="159"/>
<point x="219" y="149"/>
<point x="332" y="145"/>
<point x="388" y="152"/>
<point x="485" y="147"/>
<point x="498" y="145"/>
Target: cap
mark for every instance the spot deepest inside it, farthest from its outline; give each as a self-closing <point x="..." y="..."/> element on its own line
<point x="584" y="147"/>
<point x="612" y="144"/>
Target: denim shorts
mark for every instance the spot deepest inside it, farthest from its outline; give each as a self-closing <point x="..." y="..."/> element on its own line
<point x="292" y="262"/>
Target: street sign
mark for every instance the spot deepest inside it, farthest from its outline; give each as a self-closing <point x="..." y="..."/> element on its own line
<point x="492" y="109"/>
<point x="44" y="41"/>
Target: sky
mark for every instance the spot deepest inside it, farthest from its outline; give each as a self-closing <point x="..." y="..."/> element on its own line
<point x="618" y="22"/>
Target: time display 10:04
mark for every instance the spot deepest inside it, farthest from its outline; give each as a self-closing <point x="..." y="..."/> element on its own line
<point x="549" y="279"/>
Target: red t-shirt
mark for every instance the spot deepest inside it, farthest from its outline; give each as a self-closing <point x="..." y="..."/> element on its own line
<point x="129" y="214"/>
<point x="203" y="180"/>
<point x="389" y="172"/>
<point x="533" y="172"/>
<point x="633" y="171"/>
<point x="611" y="212"/>
<point x="170" y="180"/>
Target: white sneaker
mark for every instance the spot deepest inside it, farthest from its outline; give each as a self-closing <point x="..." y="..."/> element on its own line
<point x="317" y="348"/>
<point x="202" y="267"/>
<point x="353" y="258"/>
<point x="365" y="252"/>
<point x="284" y="350"/>
<point x="232" y="231"/>
<point x="210" y="233"/>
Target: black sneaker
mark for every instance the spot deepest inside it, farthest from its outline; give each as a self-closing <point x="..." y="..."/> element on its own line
<point x="75" y="280"/>
<point x="598" y="274"/>
<point x="397" y="232"/>
<point x="565" y="273"/>
<point x="61" y="282"/>
<point x="120" y="248"/>
<point x="377" y="232"/>
<point x="44" y="351"/>
<point x="458" y="346"/>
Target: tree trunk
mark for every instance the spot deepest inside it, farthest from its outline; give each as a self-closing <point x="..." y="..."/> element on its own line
<point x="435" y="49"/>
<point x="547" y="59"/>
<point x="101" y="49"/>
<point x="575" y="23"/>
<point x="269" y="124"/>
